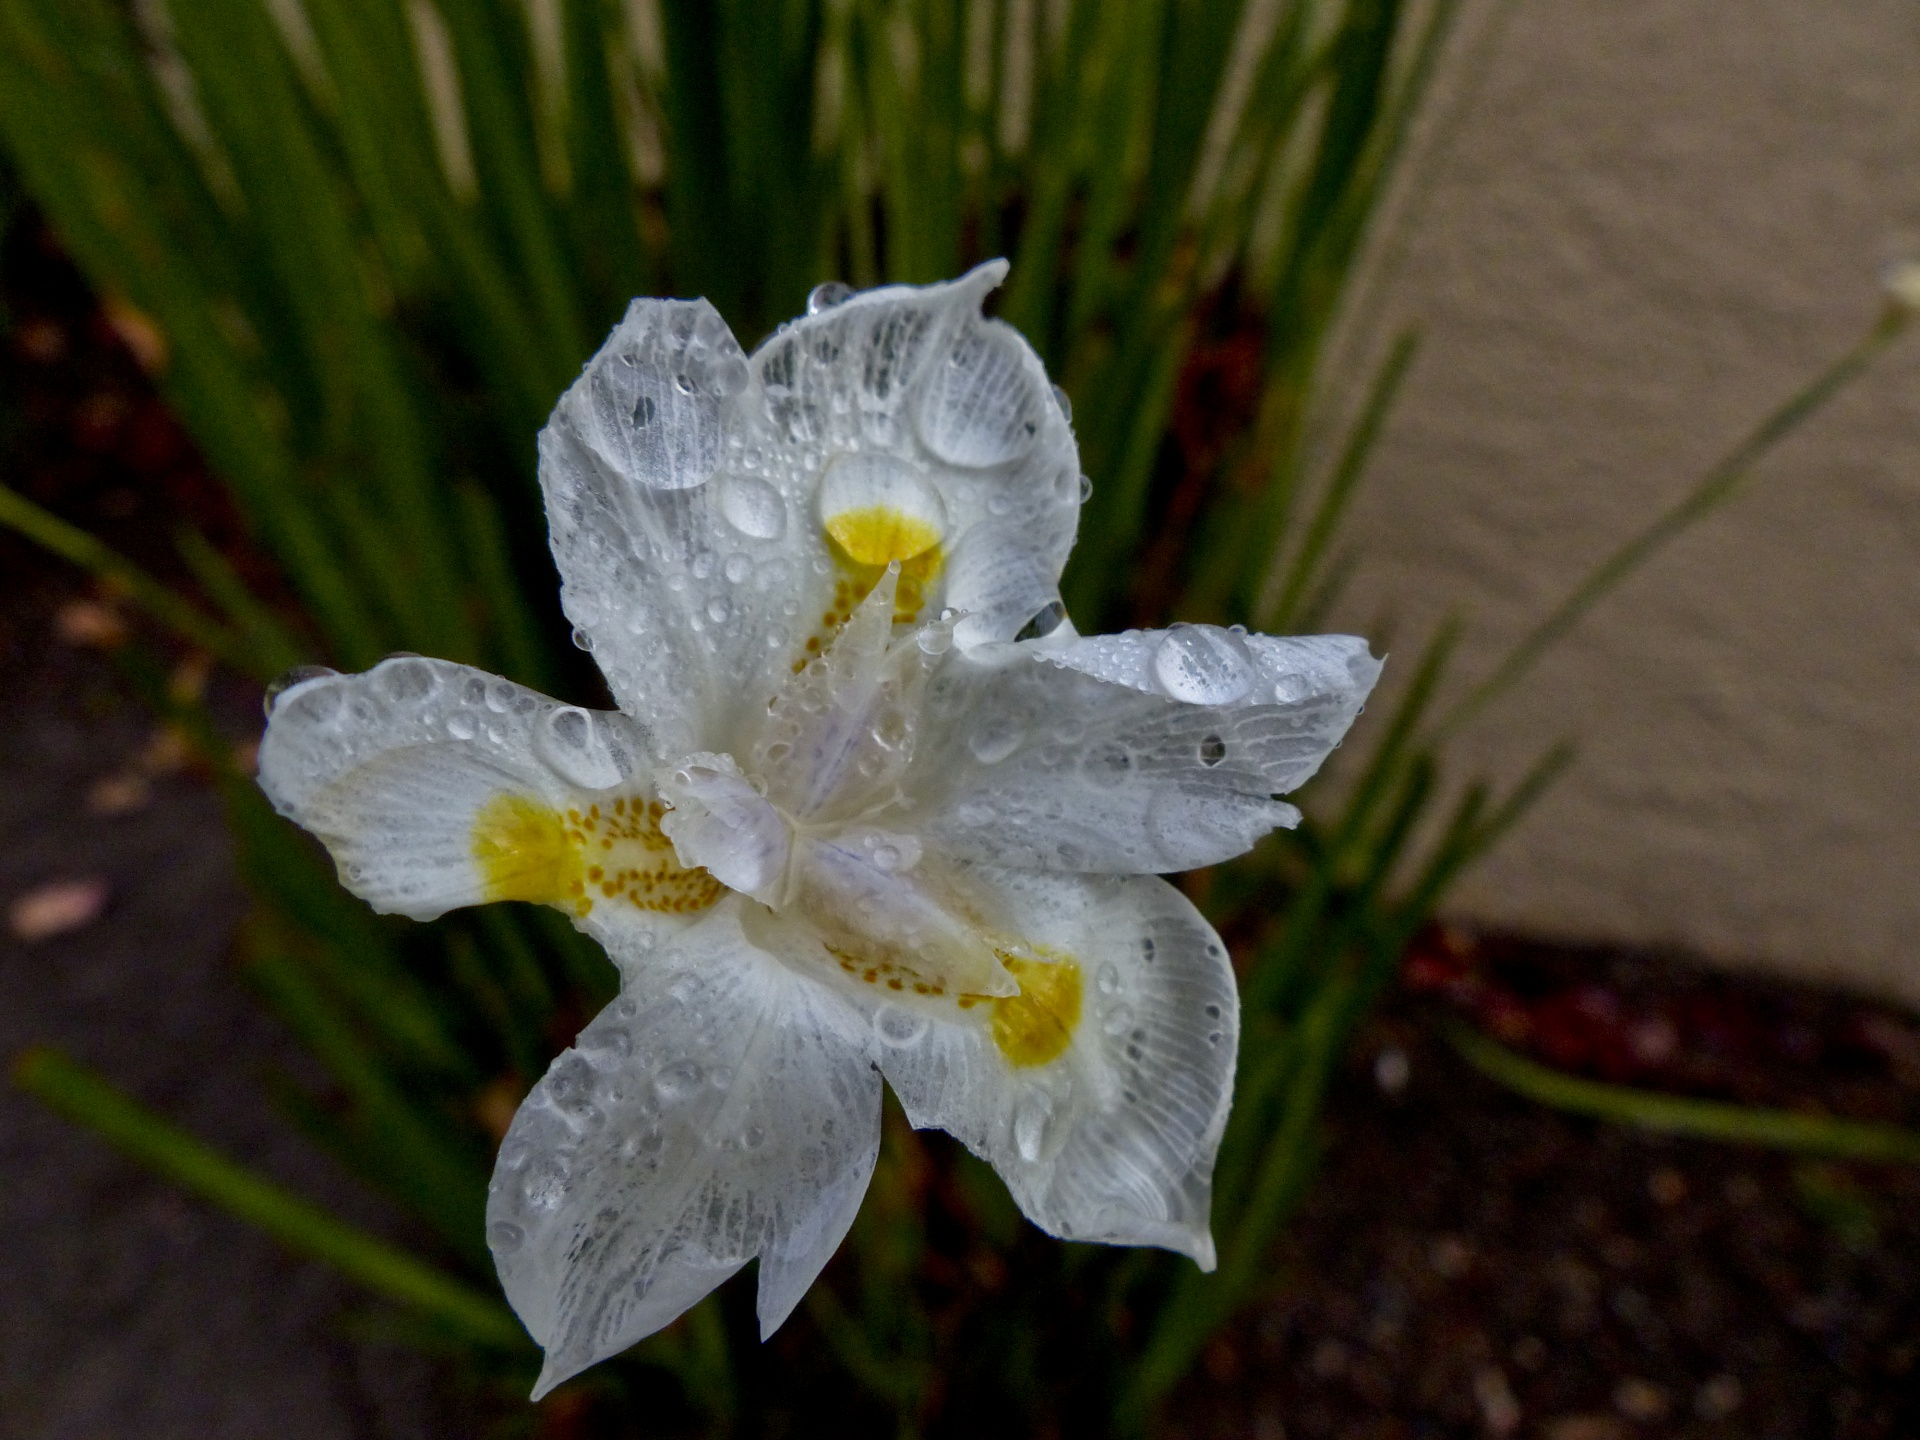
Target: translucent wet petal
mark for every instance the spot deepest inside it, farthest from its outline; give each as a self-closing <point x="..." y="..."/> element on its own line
<point x="870" y="806"/>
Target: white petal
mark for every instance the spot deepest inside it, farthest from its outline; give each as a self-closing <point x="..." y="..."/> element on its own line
<point x="391" y="768"/>
<point x="684" y="536"/>
<point x="723" y="1108"/>
<point x="952" y="422"/>
<point x="1080" y="755"/>
<point x="874" y="894"/>
<point x="840" y="733"/>
<point x="1114" y="1138"/>
<point x="711" y="516"/>
<point x="721" y="824"/>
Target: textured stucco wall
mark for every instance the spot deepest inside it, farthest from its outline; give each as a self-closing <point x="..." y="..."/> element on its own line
<point x="1659" y="218"/>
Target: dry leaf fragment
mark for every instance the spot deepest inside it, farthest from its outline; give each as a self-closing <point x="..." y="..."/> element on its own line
<point x="119" y="794"/>
<point x="57" y="907"/>
<point x="91" y="623"/>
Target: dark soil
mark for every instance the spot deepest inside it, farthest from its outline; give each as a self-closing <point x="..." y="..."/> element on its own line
<point x="1469" y="1264"/>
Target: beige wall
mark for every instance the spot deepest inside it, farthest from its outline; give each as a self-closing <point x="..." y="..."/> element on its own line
<point x="1659" y="218"/>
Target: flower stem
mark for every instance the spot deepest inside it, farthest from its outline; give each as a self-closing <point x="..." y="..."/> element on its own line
<point x="1714" y="489"/>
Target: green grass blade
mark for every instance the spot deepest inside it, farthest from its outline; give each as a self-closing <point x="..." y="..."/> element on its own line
<point x="1683" y="1115"/>
<point x="1719" y="485"/>
<point x="84" y="1098"/>
<point x="274" y="647"/>
<point x="414" y="1152"/>
<point x="71" y="543"/>
<point x="1305" y="573"/>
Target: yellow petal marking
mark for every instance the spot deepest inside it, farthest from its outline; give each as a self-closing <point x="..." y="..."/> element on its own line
<point x="878" y="535"/>
<point x="1036" y="1026"/>
<point x="865" y="542"/>
<point x="527" y="850"/>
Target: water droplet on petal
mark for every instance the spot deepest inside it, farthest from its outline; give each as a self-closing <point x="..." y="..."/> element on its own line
<point x="505" y="1238"/>
<point x="981" y="407"/>
<point x="899" y="1028"/>
<point x="994" y="739"/>
<point x="1203" y="665"/>
<point x="677" y="1081"/>
<point x="1047" y="619"/>
<point x="753" y="507"/>
<point x="1066" y="405"/>
<point x="1109" y="979"/>
<point x="826" y="296"/>
<point x="728" y="376"/>
<point x="1291" y="689"/>
<point x="935" y="639"/>
<point x="298" y="675"/>
<point x="1030" y="1118"/>
<point x="1117" y="1020"/>
<point x="581" y="639"/>
<point x="737" y="568"/>
<point x="460" y="726"/>
<point x="1086" y="488"/>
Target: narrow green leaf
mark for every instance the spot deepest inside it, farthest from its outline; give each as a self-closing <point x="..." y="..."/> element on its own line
<point x="86" y="1099"/>
<point x="1680" y="1114"/>
<point x="76" y="545"/>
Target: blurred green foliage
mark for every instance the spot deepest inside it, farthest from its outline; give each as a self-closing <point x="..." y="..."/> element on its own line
<point x="379" y="237"/>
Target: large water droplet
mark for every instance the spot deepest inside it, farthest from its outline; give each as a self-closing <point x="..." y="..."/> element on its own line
<point x="460" y="726"/>
<point x="825" y="296"/>
<point x="753" y="507"/>
<point x="1203" y="665"/>
<point x="505" y="1238"/>
<point x="677" y="1081"/>
<point x="544" y="1183"/>
<point x="1047" y="619"/>
<point x="728" y="376"/>
<point x="994" y="739"/>
<point x="857" y="482"/>
<point x="1030" y="1118"/>
<point x="1292" y="689"/>
<point x="620" y="1042"/>
<point x="650" y="419"/>
<point x="1109" y="979"/>
<point x="298" y="675"/>
<point x="899" y="1028"/>
<point x="581" y="639"/>
<point x="934" y="639"/>
<point x="980" y="407"/>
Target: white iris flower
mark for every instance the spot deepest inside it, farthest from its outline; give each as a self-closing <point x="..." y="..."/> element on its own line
<point x="869" y="807"/>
